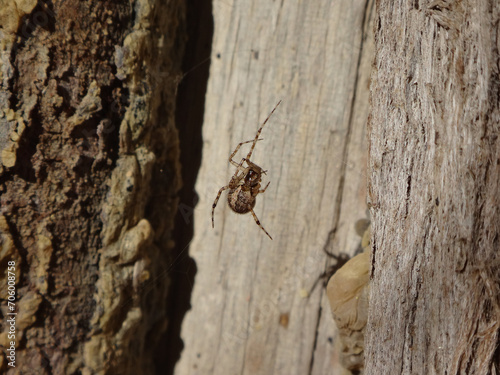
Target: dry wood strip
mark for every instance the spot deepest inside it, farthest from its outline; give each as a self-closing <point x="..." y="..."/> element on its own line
<point x="250" y="314"/>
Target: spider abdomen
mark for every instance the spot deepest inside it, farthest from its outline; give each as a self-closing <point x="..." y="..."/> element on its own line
<point x="240" y="200"/>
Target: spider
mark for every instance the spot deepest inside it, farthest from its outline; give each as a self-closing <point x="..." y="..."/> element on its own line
<point x="245" y="183"/>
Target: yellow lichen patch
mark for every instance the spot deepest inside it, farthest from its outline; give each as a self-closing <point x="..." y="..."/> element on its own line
<point x="10" y="114"/>
<point x="8" y="253"/>
<point x="10" y="18"/>
<point x="141" y="273"/>
<point x="4" y="340"/>
<point x="44" y="254"/>
<point x="129" y="326"/>
<point x="90" y="104"/>
<point x="27" y="308"/>
<point x="95" y="352"/>
<point x="9" y="152"/>
<point x="134" y="239"/>
<point x="9" y="155"/>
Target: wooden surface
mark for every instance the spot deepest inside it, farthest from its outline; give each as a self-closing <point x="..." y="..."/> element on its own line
<point x="434" y="177"/>
<point x="249" y="311"/>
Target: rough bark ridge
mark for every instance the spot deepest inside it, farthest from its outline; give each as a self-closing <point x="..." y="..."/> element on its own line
<point x="88" y="175"/>
<point x="434" y="177"/>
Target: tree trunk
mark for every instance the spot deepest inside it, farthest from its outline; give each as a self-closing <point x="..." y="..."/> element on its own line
<point x="434" y="177"/>
<point x="251" y="312"/>
<point x="88" y="177"/>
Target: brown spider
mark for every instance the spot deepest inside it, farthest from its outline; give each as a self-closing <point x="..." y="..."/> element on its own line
<point x="245" y="183"/>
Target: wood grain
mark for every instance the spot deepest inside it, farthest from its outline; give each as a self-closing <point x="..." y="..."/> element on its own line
<point x="249" y="311"/>
<point x="434" y="177"/>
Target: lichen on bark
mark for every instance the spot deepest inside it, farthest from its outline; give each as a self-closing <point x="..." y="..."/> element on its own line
<point x="88" y="178"/>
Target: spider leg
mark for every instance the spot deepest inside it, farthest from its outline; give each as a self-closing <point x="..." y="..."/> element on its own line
<point x="260" y="129"/>
<point x="217" y="200"/>
<point x="259" y="224"/>
<point x="236" y="150"/>
<point x="263" y="190"/>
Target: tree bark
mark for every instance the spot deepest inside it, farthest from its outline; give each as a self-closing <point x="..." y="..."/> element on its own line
<point x="251" y="312"/>
<point x="88" y="177"/>
<point x="434" y="177"/>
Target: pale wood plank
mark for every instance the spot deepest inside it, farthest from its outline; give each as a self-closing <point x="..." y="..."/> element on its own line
<point x="308" y="55"/>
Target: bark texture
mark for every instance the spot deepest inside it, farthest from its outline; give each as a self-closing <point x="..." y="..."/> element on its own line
<point x="88" y="177"/>
<point x="434" y="177"/>
<point x="251" y="312"/>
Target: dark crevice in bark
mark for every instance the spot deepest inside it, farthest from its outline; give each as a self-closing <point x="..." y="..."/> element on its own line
<point x="408" y="194"/>
<point x="189" y="119"/>
<point x="24" y="167"/>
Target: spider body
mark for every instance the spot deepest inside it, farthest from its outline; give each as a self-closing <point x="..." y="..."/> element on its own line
<point x="241" y="200"/>
<point x="243" y="189"/>
<point x="245" y="183"/>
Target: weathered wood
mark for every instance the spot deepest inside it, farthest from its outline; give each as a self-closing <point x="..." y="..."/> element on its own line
<point x="434" y="177"/>
<point x="250" y="313"/>
<point x="89" y="173"/>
